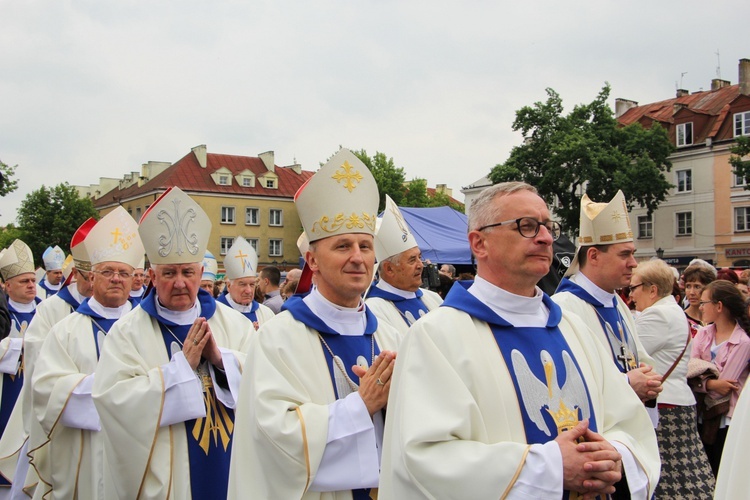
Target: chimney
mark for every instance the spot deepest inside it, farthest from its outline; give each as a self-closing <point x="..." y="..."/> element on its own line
<point x="201" y="155"/>
<point x="297" y="168"/>
<point x="745" y="76"/>
<point x="622" y="106"/>
<point x="682" y="92"/>
<point x="717" y="84"/>
<point x="267" y="158"/>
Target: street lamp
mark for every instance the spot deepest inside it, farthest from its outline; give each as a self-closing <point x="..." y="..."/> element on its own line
<point x="660" y="252"/>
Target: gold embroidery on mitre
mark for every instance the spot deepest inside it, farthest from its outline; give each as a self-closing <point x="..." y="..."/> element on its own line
<point x="605" y="237"/>
<point x="401" y="222"/>
<point x="616" y="216"/>
<point x="353" y="221"/>
<point x="347" y="175"/>
<point x="621" y="236"/>
<point x="217" y="423"/>
<point x="586" y="239"/>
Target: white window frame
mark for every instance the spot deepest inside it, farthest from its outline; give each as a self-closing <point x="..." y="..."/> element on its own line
<point x="741" y="214"/>
<point x="684" y="134"/>
<point x="271" y="183"/>
<point x="273" y="252"/>
<point x="254" y="242"/>
<point x="271" y="218"/>
<point x="677" y="223"/>
<point x="225" y="243"/>
<point x="688" y="180"/>
<point x="741" y="123"/>
<point x="247" y="182"/>
<point x="228" y="214"/>
<point x="256" y="210"/>
<point x="645" y="227"/>
<point x="223" y="180"/>
<point x="739" y="181"/>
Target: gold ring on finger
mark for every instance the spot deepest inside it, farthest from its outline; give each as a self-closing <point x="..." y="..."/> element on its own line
<point x="379" y="382"/>
<point x="195" y="341"/>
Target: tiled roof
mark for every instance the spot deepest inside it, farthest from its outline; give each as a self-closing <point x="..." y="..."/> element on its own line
<point x="709" y="103"/>
<point x="188" y="175"/>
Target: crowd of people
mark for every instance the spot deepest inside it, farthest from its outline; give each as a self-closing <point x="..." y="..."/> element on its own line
<point x="349" y="378"/>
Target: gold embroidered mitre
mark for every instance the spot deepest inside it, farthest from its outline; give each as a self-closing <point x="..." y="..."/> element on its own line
<point x="342" y="197"/>
<point x="115" y="238"/>
<point x="17" y="259"/>
<point x="241" y="260"/>
<point x="81" y="257"/>
<point x="394" y="235"/>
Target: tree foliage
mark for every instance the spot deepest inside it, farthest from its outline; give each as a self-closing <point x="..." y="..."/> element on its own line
<point x="389" y="178"/>
<point x="586" y="151"/>
<point x="50" y="216"/>
<point x="416" y="194"/>
<point x="740" y="150"/>
<point x="7" y="183"/>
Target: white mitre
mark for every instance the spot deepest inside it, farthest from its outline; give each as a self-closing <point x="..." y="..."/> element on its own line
<point x="602" y="224"/>
<point x="17" y="259"/>
<point x="341" y="198"/>
<point x="210" y="267"/>
<point x="241" y="260"/>
<point x="53" y="258"/>
<point x="175" y="229"/>
<point x="115" y="239"/>
<point x="393" y="235"/>
<point x="78" y="250"/>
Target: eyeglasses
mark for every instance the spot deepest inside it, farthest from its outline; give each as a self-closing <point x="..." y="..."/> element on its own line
<point x="528" y="227"/>
<point x="632" y="288"/>
<point x="109" y="274"/>
<point x="704" y="302"/>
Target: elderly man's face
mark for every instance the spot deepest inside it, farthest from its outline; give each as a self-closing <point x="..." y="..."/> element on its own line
<point x="406" y="273"/>
<point x="507" y="259"/>
<point x="342" y="267"/>
<point x="177" y="284"/>
<point x="138" y="277"/>
<point x="21" y="288"/>
<point x="242" y="290"/>
<point x="54" y="277"/>
<point x="113" y="290"/>
<point x="84" y="282"/>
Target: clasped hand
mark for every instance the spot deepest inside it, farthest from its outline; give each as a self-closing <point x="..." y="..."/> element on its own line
<point x="200" y="342"/>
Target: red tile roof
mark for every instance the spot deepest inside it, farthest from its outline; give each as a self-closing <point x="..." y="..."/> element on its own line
<point x="188" y="175"/>
<point x="708" y="103"/>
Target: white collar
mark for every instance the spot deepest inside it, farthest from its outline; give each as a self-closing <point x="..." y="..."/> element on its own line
<point x="604" y="297"/>
<point x="239" y="307"/>
<point x="515" y="309"/>
<point x="109" y="312"/>
<point x="179" y="317"/>
<point x="387" y="287"/>
<point x="136" y="293"/>
<point x="73" y="289"/>
<point x="344" y="320"/>
<point x="53" y="287"/>
<point x="22" y="308"/>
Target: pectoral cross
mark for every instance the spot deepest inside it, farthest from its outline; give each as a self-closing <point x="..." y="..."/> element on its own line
<point x="626" y="357"/>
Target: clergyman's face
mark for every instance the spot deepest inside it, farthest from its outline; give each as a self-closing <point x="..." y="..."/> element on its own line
<point x="242" y="290"/>
<point x="177" y="284"/>
<point x="343" y="267"/>
<point x="21" y="288"/>
<point x="112" y="291"/>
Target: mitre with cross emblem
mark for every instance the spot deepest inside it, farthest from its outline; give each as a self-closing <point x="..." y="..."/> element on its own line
<point x="394" y="235"/>
<point x="241" y="260"/>
<point x="175" y="229"/>
<point x="115" y="238"/>
<point x="341" y="198"/>
<point x="602" y="224"/>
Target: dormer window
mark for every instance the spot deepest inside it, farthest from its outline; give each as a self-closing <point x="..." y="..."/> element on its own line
<point x="222" y="176"/>
<point x="271" y="183"/>
<point x="742" y="124"/>
<point x="247" y="182"/>
<point x="684" y="134"/>
<point x="223" y="180"/>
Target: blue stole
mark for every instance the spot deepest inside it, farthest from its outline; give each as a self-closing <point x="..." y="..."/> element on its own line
<point x="209" y="439"/>
<point x="411" y="309"/>
<point x="249" y="315"/>
<point x="98" y="323"/>
<point x="50" y="291"/>
<point x="65" y="294"/>
<point x="552" y="393"/>
<point x="348" y="348"/>
<point x="614" y="328"/>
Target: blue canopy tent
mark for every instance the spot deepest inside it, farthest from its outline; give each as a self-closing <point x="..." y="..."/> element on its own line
<point x="440" y="233"/>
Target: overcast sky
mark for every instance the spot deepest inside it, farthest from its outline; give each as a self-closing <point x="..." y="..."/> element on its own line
<point x="91" y="88"/>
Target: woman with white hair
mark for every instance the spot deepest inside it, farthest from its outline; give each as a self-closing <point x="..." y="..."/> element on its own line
<point x="665" y="334"/>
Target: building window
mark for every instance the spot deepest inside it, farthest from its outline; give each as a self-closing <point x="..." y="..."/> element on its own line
<point x="684" y="223"/>
<point x="227" y="215"/>
<point x="275" y="248"/>
<point x="742" y="124"/>
<point x="254" y="243"/>
<point x="223" y="180"/>
<point x="247" y="182"/>
<point x="137" y="213"/>
<point x="271" y="183"/>
<point x="252" y="216"/>
<point x="645" y="226"/>
<point x="684" y="181"/>
<point x="739" y="181"/>
<point x="275" y="218"/>
<point x="684" y="134"/>
<point x="742" y="219"/>
<point x="226" y="244"/>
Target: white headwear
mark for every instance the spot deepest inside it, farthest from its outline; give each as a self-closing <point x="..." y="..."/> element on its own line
<point x="394" y="235"/>
<point x="241" y="260"/>
<point x="210" y="267"/>
<point x="78" y="250"/>
<point x="17" y="259"/>
<point x="341" y="198"/>
<point x="175" y="229"/>
<point x="602" y="224"/>
<point x="53" y="258"/>
<point x="115" y="239"/>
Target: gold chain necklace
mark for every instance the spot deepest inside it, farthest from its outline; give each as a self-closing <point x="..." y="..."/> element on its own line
<point x="340" y="365"/>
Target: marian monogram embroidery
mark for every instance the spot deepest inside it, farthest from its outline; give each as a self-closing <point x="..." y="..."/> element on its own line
<point x="178" y="237"/>
<point x="217" y="424"/>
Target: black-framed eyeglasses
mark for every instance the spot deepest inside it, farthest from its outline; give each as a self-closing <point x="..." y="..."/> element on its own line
<point x="109" y="274"/>
<point x="528" y="227"/>
<point x="631" y="288"/>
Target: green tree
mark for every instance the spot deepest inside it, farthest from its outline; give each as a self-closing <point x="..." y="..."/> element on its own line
<point x="7" y="183"/>
<point x="740" y="150"/>
<point x="8" y="234"/>
<point x="389" y="178"/>
<point x="416" y="194"/>
<point x="564" y="156"/>
<point x="443" y="200"/>
<point x="50" y="216"/>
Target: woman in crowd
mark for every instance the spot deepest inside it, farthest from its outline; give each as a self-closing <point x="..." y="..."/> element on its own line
<point x="695" y="278"/>
<point x="665" y="334"/>
<point x="726" y="344"/>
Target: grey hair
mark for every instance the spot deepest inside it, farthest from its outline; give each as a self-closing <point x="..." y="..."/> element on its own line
<point x="484" y="212"/>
